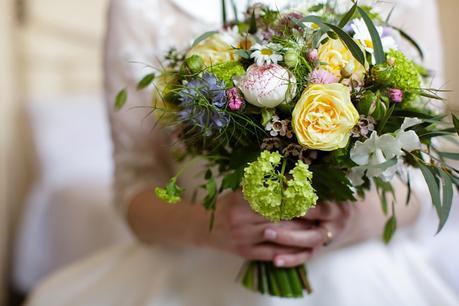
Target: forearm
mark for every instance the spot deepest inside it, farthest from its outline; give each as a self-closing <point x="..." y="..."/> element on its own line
<point x="184" y="224"/>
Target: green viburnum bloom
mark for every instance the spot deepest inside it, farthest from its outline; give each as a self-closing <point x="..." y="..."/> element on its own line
<point x="227" y="71"/>
<point x="171" y="194"/>
<point x="270" y="194"/>
<point x="399" y="72"/>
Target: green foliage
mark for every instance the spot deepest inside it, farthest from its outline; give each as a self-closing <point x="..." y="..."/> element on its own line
<point x="121" y="99"/>
<point x="171" y="194"/>
<point x="389" y="229"/>
<point x="227" y="71"/>
<point x="203" y="37"/>
<point x="377" y="44"/>
<point x="146" y="81"/>
<point x="331" y="183"/>
<point x="398" y="72"/>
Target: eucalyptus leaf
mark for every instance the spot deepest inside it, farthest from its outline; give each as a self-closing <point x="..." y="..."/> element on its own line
<point x="121" y="99"/>
<point x="233" y="180"/>
<point x="447" y="188"/>
<point x="449" y="155"/>
<point x="387" y="164"/>
<point x="253" y="24"/>
<point x="431" y="181"/>
<point x="456" y="124"/>
<point x="210" y="200"/>
<point x="224" y="12"/>
<point x="389" y="229"/>
<point x="379" y="54"/>
<point x="235" y="10"/>
<point x="350" y="43"/>
<point x="347" y="16"/>
<point x="146" y="81"/>
<point x="408" y="195"/>
<point x="203" y="37"/>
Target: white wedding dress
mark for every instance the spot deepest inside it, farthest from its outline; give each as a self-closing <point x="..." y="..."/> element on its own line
<point x="408" y="272"/>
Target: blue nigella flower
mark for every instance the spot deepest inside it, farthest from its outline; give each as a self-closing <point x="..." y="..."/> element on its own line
<point x="203" y="101"/>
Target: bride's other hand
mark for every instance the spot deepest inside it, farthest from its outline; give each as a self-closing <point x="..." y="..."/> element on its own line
<point x="288" y="243"/>
<point x="322" y="225"/>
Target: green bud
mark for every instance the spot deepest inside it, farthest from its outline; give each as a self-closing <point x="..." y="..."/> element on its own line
<point x="367" y="102"/>
<point x="291" y="58"/>
<point x="382" y="74"/>
<point x="195" y="63"/>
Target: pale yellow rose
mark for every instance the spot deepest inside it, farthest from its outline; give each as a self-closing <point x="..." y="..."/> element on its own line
<point x="339" y="60"/>
<point x="164" y="84"/>
<point x="214" y="50"/>
<point x="324" y="117"/>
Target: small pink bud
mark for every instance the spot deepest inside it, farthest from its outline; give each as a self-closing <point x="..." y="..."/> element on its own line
<point x="313" y="55"/>
<point x="235" y="101"/>
<point x="396" y="95"/>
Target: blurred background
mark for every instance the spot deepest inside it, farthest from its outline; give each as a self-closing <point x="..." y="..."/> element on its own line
<point x="55" y="154"/>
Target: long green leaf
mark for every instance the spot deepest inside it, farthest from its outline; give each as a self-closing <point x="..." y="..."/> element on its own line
<point x="456" y="124"/>
<point x="224" y="14"/>
<point x="389" y="229"/>
<point x="121" y="99"/>
<point x="347" y="16"/>
<point x="253" y="24"/>
<point x="313" y="19"/>
<point x="203" y="37"/>
<point x="350" y="43"/>
<point x="235" y="10"/>
<point x="432" y="184"/>
<point x="380" y="57"/>
<point x="146" y="81"/>
<point x="449" y="155"/>
<point x="447" y="188"/>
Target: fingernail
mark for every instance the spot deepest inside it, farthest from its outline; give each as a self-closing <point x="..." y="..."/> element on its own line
<point x="279" y="262"/>
<point x="270" y="234"/>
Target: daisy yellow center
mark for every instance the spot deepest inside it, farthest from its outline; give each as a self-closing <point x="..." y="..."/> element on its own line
<point x="267" y="52"/>
<point x="368" y="43"/>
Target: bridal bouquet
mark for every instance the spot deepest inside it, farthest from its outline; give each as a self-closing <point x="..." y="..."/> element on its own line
<point x="301" y="106"/>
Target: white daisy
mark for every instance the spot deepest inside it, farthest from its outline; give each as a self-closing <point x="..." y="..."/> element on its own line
<point x="266" y="54"/>
<point x="362" y="34"/>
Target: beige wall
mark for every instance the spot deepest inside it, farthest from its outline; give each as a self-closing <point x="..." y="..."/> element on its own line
<point x="449" y="14"/>
<point x="6" y="111"/>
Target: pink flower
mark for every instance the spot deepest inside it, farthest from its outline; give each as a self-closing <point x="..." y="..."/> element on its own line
<point x="313" y="55"/>
<point x="235" y="102"/>
<point x="322" y="76"/>
<point x="396" y="95"/>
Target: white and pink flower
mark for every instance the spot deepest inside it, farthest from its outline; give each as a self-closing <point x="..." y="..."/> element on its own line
<point x="267" y="86"/>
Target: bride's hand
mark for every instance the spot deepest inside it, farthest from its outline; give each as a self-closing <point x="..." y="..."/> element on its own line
<point x="288" y="243"/>
<point x="329" y="221"/>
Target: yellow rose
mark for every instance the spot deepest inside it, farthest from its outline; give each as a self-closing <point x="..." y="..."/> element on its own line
<point x="164" y="84"/>
<point x="340" y="60"/>
<point x="213" y="50"/>
<point x="324" y="117"/>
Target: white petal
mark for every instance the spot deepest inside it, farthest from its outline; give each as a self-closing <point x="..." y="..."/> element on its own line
<point x="390" y="146"/>
<point x="356" y="176"/>
<point x="410" y="122"/>
<point x="409" y="141"/>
